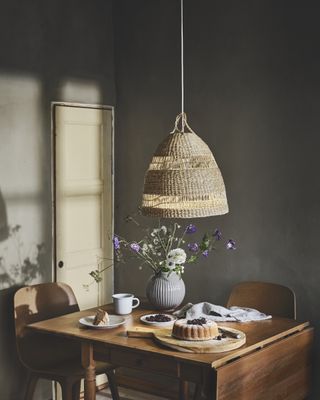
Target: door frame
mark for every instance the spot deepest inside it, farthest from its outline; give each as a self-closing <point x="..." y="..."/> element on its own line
<point x="54" y="104"/>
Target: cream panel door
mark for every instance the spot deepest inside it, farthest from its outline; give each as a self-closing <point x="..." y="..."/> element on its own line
<point x="84" y="195"/>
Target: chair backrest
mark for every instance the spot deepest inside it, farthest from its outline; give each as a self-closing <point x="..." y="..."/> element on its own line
<point x="266" y="297"/>
<point x="37" y="303"/>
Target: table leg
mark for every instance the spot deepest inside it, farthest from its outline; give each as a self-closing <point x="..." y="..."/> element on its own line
<point x="183" y="390"/>
<point x="90" y="371"/>
<point x="207" y="390"/>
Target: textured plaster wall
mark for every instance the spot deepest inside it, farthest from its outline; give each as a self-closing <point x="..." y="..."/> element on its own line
<point x="252" y="93"/>
<point x="50" y="51"/>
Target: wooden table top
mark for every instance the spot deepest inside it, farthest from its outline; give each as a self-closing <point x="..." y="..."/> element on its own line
<point x="258" y="334"/>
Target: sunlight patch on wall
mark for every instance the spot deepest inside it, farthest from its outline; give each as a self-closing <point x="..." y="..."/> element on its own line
<point x="21" y="178"/>
<point x="75" y="90"/>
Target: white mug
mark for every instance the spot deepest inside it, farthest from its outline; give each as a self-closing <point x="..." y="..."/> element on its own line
<point x="123" y="303"/>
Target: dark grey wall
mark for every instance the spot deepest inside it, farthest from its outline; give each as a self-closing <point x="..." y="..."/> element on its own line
<point x="252" y="93"/>
<point x="50" y="51"/>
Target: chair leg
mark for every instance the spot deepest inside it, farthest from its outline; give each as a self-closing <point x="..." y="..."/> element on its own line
<point x="76" y="390"/>
<point x="66" y="388"/>
<point x="31" y="385"/>
<point x="183" y="390"/>
<point x="113" y="385"/>
<point x="197" y="392"/>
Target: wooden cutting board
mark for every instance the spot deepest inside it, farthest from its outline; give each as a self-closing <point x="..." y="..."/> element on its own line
<point x="163" y="336"/>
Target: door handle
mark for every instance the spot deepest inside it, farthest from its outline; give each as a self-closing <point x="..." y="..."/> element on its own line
<point x="60" y="264"/>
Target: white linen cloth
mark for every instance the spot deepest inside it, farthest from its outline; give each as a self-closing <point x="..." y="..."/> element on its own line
<point x="219" y="313"/>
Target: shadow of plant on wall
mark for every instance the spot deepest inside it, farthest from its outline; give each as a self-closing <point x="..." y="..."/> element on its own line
<point x="20" y="264"/>
<point x="4" y="229"/>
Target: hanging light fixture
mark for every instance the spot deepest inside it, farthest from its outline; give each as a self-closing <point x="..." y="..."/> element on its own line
<point x="183" y="179"/>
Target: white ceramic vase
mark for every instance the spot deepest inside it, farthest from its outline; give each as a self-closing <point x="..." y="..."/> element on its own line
<point x="165" y="292"/>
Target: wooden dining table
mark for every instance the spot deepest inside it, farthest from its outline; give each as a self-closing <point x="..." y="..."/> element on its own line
<point x="273" y="364"/>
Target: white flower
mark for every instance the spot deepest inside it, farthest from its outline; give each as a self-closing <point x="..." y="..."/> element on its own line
<point x="164" y="229"/>
<point x="154" y="232"/>
<point x="145" y="248"/>
<point x="170" y="264"/>
<point x="178" y="256"/>
<point x="156" y="241"/>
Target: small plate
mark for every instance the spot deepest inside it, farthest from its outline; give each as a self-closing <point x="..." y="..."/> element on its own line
<point x="143" y="319"/>
<point x="114" y="321"/>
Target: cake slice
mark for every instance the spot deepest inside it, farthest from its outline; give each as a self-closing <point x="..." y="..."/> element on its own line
<point x="101" y="317"/>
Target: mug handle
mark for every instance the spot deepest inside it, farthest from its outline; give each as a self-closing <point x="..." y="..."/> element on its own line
<point x="138" y="302"/>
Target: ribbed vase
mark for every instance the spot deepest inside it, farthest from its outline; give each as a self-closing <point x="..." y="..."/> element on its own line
<point x="165" y="292"/>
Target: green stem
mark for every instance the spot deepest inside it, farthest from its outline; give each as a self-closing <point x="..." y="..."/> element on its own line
<point x="173" y="236"/>
<point x="147" y="260"/>
<point x="180" y="240"/>
<point x="154" y="267"/>
<point x="105" y="268"/>
<point x="162" y="244"/>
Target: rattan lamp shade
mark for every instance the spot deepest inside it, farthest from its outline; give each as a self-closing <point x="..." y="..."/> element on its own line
<point x="183" y="179"/>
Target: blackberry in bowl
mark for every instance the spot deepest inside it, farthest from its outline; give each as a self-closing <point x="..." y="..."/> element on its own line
<point x="158" y="318"/>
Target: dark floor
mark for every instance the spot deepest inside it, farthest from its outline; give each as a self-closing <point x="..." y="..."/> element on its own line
<point x="128" y="394"/>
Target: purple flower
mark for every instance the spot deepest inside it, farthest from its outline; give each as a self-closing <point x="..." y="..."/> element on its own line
<point x="231" y="244"/>
<point x="217" y="234"/>
<point x="205" y="253"/>
<point x="135" y="247"/>
<point x="116" y="243"/>
<point x="191" y="228"/>
<point x="194" y="247"/>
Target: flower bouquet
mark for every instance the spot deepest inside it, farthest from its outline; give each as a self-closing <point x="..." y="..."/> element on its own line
<point x="166" y="249"/>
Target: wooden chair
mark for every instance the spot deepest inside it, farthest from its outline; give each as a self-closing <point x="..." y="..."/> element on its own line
<point x="266" y="297"/>
<point x="50" y="357"/>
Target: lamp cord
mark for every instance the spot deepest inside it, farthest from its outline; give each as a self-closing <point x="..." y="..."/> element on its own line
<point x="182" y="59"/>
<point x="182" y="66"/>
<point x="182" y="117"/>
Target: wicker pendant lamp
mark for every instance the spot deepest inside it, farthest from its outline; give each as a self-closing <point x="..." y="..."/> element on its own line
<point x="183" y="179"/>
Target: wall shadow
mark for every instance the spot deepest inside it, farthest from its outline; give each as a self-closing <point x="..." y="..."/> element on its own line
<point x="45" y="46"/>
<point x="4" y="229"/>
<point x="11" y="366"/>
